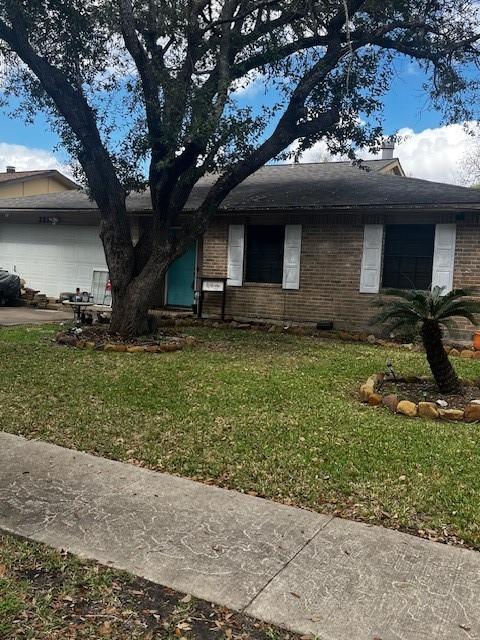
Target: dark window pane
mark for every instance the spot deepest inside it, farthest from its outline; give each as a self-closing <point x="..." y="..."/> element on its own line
<point x="408" y="256"/>
<point x="264" y="255"/>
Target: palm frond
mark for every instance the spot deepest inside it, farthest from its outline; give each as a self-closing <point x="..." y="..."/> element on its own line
<point x="409" y="308"/>
<point x="396" y="310"/>
<point x="461" y="308"/>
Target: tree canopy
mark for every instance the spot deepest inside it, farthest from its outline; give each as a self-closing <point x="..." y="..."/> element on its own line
<point x="146" y="93"/>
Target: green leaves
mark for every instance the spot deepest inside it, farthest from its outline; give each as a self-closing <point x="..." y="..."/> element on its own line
<point x="410" y="308"/>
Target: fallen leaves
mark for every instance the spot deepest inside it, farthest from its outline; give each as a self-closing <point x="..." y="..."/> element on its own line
<point x="186" y="599"/>
<point x="105" y="629"/>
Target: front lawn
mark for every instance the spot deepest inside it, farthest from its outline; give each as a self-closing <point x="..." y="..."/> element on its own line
<point x="271" y="414"/>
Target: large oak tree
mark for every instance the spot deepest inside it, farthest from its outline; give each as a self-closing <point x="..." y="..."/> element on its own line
<point x="148" y="93"/>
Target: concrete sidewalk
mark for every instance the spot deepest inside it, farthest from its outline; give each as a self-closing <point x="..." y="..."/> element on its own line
<point x="308" y="572"/>
<point x="11" y="316"/>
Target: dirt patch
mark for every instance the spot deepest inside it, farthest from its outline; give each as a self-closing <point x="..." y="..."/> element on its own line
<point x="427" y="391"/>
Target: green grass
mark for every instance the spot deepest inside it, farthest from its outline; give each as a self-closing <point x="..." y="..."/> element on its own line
<point x="272" y="414"/>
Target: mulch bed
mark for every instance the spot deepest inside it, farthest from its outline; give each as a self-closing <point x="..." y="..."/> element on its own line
<point x="427" y="391"/>
<point x="99" y="337"/>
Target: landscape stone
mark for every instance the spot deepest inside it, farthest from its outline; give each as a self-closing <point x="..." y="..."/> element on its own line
<point x="476" y="355"/>
<point x="375" y="400"/>
<point x="472" y="412"/>
<point x="372" y="381"/>
<point x="451" y="414"/>
<point x="427" y="410"/>
<point x="454" y="352"/>
<point x="407" y="408"/>
<point x="391" y="402"/>
<point x="366" y="391"/>
<point x="112" y="347"/>
<point x="168" y="347"/>
<point x="466" y="353"/>
<point x="135" y="349"/>
<point x="371" y="339"/>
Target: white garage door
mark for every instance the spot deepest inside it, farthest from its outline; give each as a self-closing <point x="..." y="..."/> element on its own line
<point x="51" y="258"/>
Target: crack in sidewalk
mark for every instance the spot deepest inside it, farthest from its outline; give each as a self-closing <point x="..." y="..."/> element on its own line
<point x="270" y="580"/>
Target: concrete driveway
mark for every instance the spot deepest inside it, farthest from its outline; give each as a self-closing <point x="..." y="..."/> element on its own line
<point x="10" y="316"/>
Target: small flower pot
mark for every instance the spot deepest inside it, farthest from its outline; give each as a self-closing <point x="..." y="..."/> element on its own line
<point x="476" y="340"/>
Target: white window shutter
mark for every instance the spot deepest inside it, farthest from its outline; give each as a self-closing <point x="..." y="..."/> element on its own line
<point x="291" y="256"/>
<point x="372" y="258"/>
<point x="444" y="256"/>
<point x="236" y="241"/>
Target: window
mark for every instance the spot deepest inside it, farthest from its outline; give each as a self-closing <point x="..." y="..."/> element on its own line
<point x="264" y="254"/>
<point x="408" y="256"/>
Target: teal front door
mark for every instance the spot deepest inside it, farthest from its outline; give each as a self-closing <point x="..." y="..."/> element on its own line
<point x="181" y="280"/>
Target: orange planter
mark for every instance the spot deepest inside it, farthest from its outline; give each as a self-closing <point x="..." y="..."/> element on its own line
<point x="476" y="340"/>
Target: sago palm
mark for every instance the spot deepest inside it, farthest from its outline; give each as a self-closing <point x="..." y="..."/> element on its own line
<point x="429" y="312"/>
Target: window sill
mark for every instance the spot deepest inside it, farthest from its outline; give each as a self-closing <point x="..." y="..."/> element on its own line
<point x="383" y="290"/>
<point x="270" y="285"/>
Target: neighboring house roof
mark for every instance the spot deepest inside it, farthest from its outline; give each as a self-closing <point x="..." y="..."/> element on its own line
<point x="321" y="186"/>
<point x="7" y="177"/>
<point x="390" y="165"/>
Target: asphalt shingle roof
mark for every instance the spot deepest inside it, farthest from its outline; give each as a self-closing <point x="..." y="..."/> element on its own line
<point x="285" y="187"/>
<point x="18" y="175"/>
<point x="12" y="176"/>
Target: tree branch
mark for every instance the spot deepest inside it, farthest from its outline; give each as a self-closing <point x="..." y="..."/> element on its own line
<point x="107" y="190"/>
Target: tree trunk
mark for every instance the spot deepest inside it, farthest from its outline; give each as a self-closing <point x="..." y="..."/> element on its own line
<point x="130" y="307"/>
<point x="440" y="365"/>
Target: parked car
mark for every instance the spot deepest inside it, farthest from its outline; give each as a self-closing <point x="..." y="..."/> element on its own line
<point x="9" y="288"/>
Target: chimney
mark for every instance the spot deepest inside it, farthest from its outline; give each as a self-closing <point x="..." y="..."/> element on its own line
<point x="10" y="169"/>
<point x="387" y="150"/>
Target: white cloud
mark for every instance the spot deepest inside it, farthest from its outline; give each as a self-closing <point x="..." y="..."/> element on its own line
<point x="433" y="154"/>
<point x="248" y="86"/>
<point x="29" y="158"/>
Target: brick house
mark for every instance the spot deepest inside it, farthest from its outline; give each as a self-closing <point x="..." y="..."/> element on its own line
<point x="298" y="243"/>
<point x="313" y="243"/>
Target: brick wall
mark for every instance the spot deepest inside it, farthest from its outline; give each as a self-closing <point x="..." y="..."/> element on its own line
<point x="329" y="272"/>
<point x="467" y="266"/>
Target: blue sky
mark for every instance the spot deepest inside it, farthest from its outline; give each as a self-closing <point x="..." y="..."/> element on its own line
<point x="405" y="106"/>
<point x="432" y="150"/>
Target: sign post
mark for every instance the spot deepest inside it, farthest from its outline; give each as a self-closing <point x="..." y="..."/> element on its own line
<point x="212" y="285"/>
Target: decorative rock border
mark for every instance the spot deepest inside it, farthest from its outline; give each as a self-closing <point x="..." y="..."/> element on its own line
<point x="369" y="394"/>
<point x="167" y="346"/>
